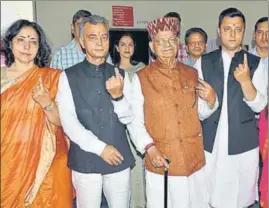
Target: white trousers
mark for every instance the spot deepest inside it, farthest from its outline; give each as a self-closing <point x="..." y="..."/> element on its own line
<point x="183" y="192"/>
<point x="89" y="187"/>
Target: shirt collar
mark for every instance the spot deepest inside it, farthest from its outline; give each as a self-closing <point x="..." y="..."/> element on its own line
<point x="74" y="46"/>
<point x="254" y="52"/>
<point x="225" y="54"/>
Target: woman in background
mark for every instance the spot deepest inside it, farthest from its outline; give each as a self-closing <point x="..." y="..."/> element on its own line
<point x="33" y="149"/>
<point x="122" y="57"/>
<point x="263" y="140"/>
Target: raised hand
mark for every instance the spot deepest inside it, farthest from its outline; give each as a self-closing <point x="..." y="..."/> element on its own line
<point x="111" y="155"/>
<point x="41" y="94"/>
<point x="114" y="85"/>
<point x="242" y="72"/>
<point x="206" y="92"/>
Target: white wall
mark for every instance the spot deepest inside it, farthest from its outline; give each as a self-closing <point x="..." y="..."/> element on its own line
<point x="55" y="17"/>
<point x="14" y="10"/>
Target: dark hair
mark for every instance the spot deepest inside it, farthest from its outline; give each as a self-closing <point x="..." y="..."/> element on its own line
<point x="116" y="54"/>
<point x="44" y="51"/>
<point x="81" y="14"/>
<point x="195" y="30"/>
<point x="174" y="14"/>
<point x="261" y="20"/>
<point x="231" y="12"/>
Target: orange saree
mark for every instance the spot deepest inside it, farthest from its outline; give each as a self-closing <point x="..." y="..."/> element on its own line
<point x="34" y="170"/>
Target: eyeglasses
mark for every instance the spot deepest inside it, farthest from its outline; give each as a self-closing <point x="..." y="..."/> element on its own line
<point x="163" y="42"/>
<point x="95" y="39"/>
<point x="194" y="43"/>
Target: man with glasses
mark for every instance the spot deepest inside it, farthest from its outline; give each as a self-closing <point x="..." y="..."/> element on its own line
<point x="94" y="110"/>
<point x="172" y="111"/>
<point x="196" y="42"/>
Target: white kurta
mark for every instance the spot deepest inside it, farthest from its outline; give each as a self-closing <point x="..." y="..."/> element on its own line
<point x="232" y="178"/>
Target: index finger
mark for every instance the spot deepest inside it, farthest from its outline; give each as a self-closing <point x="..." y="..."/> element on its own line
<point x="245" y="59"/>
<point x="40" y="81"/>
<point x="118" y="75"/>
<point x="202" y="82"/>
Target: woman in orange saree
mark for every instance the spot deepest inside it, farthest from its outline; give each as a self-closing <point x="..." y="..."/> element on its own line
<point x="34" y="170"/>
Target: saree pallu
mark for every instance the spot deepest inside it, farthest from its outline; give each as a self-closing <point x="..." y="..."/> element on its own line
<point x="263" y="142"/>
<point x="34" y="170"/>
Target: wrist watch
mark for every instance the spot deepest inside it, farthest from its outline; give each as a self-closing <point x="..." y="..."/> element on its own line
<point x="211" y="105"/>
<point x="118" y="98"/>
<point x="48" y="107"/>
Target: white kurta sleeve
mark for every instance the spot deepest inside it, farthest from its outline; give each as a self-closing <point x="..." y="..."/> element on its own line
<point x="203" y="109"/>
<point x="76" y="132"/>
<point x="136" y="128"/>
<point x="260" y="82"/>
<point x="123" y="109"/>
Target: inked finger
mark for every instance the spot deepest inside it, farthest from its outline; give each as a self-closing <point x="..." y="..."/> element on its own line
<point x="203" y="83"/>
<point x="41" y="82"/>
<point x="245" y="59"/>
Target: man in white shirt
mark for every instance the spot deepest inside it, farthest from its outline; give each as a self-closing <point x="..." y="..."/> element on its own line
<point x="72" y="53"/>
<point x="196" y="42"/>
<point x="260" y="37"/>
<point x="230" y="134"/>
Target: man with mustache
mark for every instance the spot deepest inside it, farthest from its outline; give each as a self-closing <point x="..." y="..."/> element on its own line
<point x="171" y="112"/>
<point x="94" y="108"/>
<point x="196" y="42"/>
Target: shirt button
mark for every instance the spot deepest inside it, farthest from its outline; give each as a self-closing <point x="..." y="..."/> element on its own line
<point x="101" y="109"/>
<point x="186" y="87"/>
<point x="101" y="127"/>
<point x="99" y="92"/>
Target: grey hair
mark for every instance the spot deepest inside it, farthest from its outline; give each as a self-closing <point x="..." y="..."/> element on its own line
<point x="93" y="20"/>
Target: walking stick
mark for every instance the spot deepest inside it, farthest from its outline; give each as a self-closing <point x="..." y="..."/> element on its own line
<point x="166" y="184"/>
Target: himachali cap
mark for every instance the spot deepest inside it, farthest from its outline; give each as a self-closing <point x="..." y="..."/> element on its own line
<point x="163" y="24"/>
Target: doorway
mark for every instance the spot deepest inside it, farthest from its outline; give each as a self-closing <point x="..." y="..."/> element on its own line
<point x="141" y="40"/>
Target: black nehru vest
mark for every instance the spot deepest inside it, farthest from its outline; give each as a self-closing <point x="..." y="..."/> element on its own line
<point x="95" y="112"/>
<point x="243" y="132"/>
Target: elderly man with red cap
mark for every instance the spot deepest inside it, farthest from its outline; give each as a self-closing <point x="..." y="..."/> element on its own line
<point x="174" y="101"/>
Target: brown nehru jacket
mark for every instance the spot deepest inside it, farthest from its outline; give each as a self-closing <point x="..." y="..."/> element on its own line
<point x="171" y="116"/>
